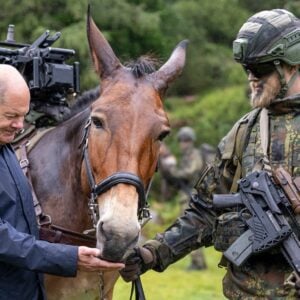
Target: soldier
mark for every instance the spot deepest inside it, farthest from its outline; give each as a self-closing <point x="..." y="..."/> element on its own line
<point x="268" y="47"/>
<point x="184" y="174"/>
<point x="183" y="177"/>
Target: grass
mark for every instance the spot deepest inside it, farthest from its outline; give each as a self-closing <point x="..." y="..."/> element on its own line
<point x="177" y="283"/>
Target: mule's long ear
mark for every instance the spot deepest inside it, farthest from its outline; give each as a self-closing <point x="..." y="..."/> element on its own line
<point x="172" y="67"/>
<point x="104" y="59"/>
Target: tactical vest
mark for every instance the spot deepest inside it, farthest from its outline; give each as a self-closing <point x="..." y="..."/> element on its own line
<point x="242" y="148"/>
<point x="284" y="144"/>
<point x="242" y="145"/>
<point x="283" y="150"/>
<point x="233" y="145"/>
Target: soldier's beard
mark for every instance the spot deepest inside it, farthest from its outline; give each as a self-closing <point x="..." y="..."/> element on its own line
<point x="263" y="92"/>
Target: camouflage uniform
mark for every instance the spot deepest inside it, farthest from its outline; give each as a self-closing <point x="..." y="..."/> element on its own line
<point x="268" y="46"/>
<point x="263" y="275"/>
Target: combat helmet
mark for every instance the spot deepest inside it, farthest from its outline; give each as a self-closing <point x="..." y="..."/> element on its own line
<point x="186" y="133"/>
<point x="267" y="39"/>
<point x="267" y="36"/>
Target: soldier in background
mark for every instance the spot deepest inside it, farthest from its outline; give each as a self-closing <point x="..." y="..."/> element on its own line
<point x="182" y="177"/>
<point x="208" y="153"/>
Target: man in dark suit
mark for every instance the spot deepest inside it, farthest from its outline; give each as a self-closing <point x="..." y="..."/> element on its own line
<point x="24" y="258"/>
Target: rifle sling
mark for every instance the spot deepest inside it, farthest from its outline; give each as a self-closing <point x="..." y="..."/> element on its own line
<point x="264" y="138"/>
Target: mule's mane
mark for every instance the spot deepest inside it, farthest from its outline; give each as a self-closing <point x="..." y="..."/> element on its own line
<point x="83" y="101"/>
<point x="146" y="64"/>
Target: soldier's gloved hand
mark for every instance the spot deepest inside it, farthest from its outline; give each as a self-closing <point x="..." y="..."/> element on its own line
<point x="138" y="261"/>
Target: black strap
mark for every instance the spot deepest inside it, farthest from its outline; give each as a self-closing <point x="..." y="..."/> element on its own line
<point x="88" y="168"/>
<point x="137" y="287"/>
<point x="122" y="177"/>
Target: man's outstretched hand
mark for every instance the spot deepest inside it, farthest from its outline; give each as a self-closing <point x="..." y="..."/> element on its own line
<point x="89" y="261"/>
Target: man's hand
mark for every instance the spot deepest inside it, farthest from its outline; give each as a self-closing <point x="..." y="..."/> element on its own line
<point x="89" y="261"/>
<point x="138" y="261"/>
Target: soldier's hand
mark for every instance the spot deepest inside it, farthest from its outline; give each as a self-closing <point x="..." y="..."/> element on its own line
<point x="138" y="261"/>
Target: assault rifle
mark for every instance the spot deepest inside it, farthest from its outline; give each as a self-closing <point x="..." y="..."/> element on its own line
<point x="49" y="78"/>
<point x="265" y="208"/>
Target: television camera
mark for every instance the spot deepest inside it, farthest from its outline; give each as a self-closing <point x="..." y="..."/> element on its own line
<point x="51" y="81"/>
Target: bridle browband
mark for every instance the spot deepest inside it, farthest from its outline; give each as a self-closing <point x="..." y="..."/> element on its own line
<point x="110" y="181"/>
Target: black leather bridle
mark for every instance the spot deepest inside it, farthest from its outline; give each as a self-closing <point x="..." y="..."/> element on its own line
<point x="105" y="185"/>
<point x="110" y="181"/>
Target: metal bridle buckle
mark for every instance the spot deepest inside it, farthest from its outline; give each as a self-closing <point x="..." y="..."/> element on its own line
<point x="24" y="163"/>
<point x="93" y="207"/>
<point x="145" y="216"/>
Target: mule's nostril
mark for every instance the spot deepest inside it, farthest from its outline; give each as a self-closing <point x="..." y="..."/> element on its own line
<point x="100" y="228"/>
<point x="102" y="231"/>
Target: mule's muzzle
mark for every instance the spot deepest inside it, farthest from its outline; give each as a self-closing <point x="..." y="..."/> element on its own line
<point x="116" y="250"/>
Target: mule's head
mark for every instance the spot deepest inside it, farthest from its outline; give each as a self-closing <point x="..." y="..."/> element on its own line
<point x="128" y="123"/>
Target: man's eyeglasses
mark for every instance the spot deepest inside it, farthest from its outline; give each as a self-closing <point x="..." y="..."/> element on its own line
<point x="260" y="70"/>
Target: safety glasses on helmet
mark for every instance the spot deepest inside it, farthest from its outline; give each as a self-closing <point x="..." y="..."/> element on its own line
<point x="260" y="70"/>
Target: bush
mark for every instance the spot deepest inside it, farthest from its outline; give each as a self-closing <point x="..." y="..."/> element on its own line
<point x="211" y="115"/>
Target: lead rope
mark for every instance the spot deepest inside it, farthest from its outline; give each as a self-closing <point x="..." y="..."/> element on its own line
<point x="136" y="285"/>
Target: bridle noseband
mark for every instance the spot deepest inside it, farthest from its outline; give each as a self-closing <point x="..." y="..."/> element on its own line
<point x="110" y="181"/>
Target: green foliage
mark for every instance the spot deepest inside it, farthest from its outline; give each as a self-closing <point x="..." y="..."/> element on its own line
<point x="136" y="27"/>
<point x="255" y="6"/>
<point x="211" y="114"/>
<point x="210" y="26"/>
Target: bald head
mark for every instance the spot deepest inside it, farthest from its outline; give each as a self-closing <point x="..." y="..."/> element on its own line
<point x="12" y="84"/>
<point x="14" y="103"/>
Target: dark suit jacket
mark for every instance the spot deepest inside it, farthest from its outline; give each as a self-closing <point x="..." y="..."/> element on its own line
<point x="23" y="258"/>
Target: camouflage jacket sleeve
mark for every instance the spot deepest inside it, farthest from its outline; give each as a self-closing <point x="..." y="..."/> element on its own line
<point x="195" y="228"/>
<point x="192" y="230"/>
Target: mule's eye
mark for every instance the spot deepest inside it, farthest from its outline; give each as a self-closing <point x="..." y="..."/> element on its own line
<point x="98" y="123"/>
<point x="163" y="135"/>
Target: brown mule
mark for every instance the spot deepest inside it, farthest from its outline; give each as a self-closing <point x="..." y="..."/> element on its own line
<point x="121" y="144"/>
